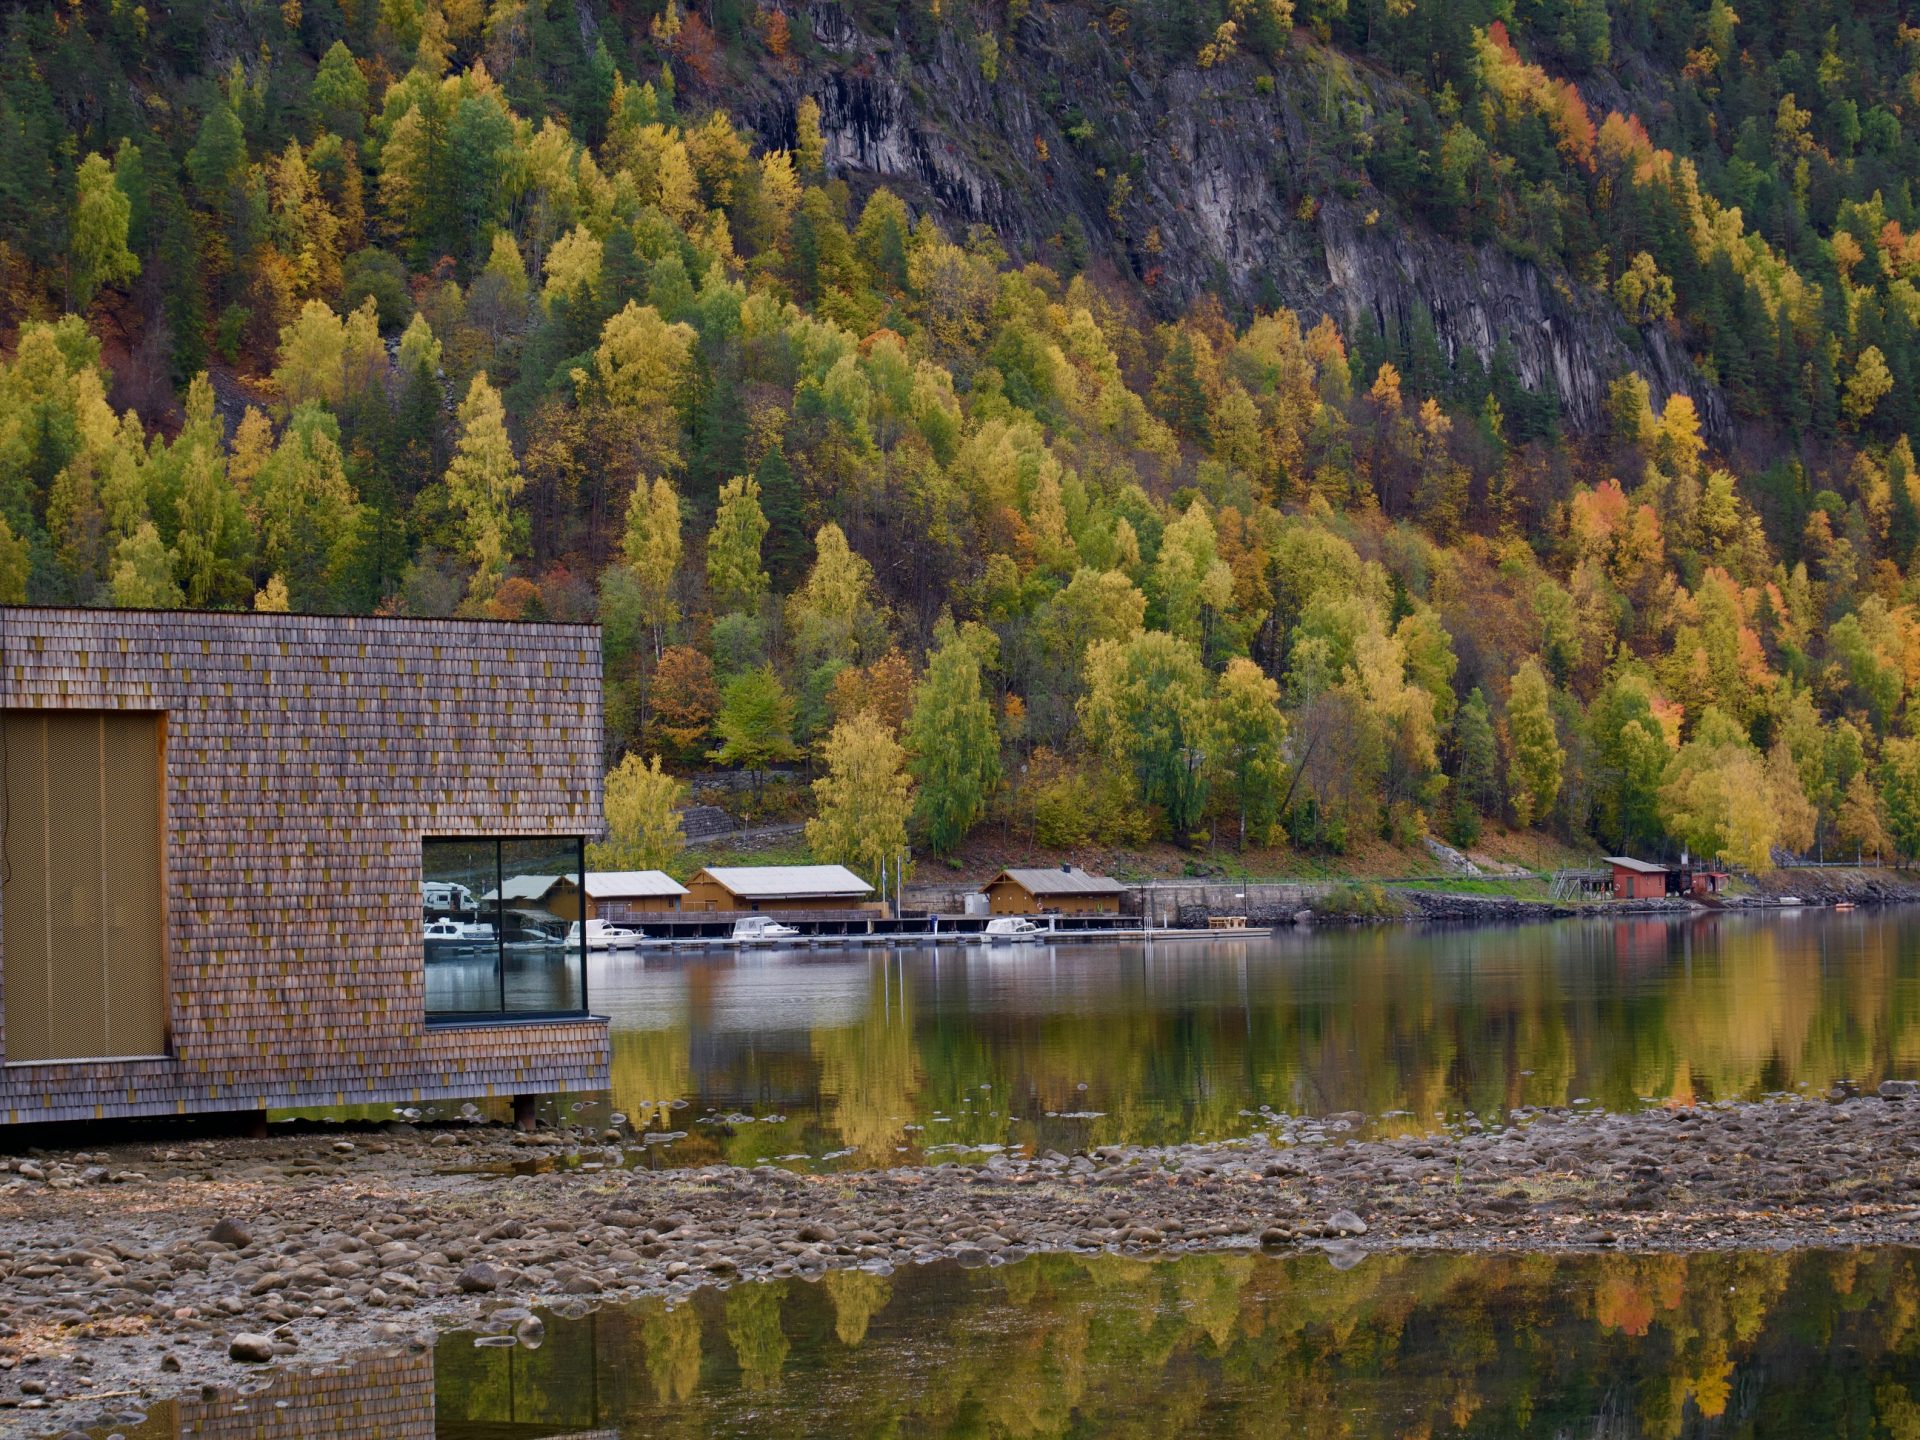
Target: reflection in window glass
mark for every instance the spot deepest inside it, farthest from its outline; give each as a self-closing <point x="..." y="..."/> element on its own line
<point x="501" y="927"/>
<point x="544" y="948"/>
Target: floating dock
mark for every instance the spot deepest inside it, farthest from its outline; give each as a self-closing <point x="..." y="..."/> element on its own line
<point x="910" y="931"/>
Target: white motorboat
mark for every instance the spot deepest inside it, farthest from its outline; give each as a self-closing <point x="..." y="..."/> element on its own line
<point x="760" y="930"/>
<point x="604" y="936"/>
<point x="453" y="937"/>
<point x="1013" y="930"/>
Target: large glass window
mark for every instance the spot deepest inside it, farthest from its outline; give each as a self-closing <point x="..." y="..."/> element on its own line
<point x="502" y="931"/>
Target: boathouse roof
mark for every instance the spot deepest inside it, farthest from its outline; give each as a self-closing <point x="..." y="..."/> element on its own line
<point x="1639" y="867"/>
<point x="632" y="885"/>
<point x="787" y="882"/>
<point x="529" y="887"/>
<point x="1061" y="880"/>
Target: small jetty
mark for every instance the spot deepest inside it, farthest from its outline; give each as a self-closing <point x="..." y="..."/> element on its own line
<point x="797" y="907"/>
<point x="838" y="931"/>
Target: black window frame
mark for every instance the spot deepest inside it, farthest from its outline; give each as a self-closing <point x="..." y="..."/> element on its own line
<point x="502" y="1015"/>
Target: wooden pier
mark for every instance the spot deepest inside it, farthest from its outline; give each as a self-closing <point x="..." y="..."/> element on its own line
<point x="663" y="933"/>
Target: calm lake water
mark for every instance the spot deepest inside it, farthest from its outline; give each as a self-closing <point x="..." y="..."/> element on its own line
<point x="1820" y="1344"/>
<point x="863" y="1058"/>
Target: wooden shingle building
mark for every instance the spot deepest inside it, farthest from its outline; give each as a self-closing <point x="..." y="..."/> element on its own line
<point x="616" y="895"/>
<point x="1065" y="890"/>
<point x="751" y="888"/>
<point x="260" y="861"/>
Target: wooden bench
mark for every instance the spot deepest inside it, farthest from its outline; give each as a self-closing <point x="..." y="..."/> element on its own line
<point x="1226" y="922"/>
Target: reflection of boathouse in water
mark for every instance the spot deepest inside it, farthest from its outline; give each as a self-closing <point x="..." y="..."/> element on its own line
<point x="246" y="855"/>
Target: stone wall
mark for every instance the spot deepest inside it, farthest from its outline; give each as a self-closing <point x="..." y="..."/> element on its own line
<point x="306" y="757"/>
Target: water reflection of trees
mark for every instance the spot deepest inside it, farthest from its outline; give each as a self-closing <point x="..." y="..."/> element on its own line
<point x="1811" y="1344"/>
<point x="1182" y="1041"/>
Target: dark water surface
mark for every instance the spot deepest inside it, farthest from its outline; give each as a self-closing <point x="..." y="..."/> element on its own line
<point x="1817" y="1344"/>
<point x="862" y="1058"/>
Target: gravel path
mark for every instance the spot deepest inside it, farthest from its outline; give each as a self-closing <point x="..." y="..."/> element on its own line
<point x="134" y="1272"/>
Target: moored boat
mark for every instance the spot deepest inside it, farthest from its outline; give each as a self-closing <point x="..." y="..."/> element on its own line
<point x="1012" y="930"/>
<point x="455" y="939"/>
<point x="760" y="930"/>
<point x="601" y="935"/>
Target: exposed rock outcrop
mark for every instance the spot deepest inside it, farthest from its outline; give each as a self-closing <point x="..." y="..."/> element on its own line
<point x="1196" y="181"/>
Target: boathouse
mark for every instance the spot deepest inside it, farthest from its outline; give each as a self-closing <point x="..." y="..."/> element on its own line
<point x="1646" y="880"/>
<point x="778" y="888"/>
<point x="555" y="895"/>
<point x="615" y="895"/>
<point x="1637" y="879"/>
<point x="243" y="855"/>
<point x="1061" y="890"/>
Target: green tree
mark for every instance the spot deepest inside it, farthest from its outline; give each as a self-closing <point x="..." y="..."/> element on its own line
<point x="652" y="544"/>
<point x="98" y="244"/>
<point x="953" y="742"/>
<point x="1900" y="794"/>
<point x="218" y="155"/>
<point x="1147" y="708"/>
<point x="313" y="353"/>
<point x="1251" y="734"/>
<point x="1190" y="580"/>
<point x="734" y="574"/>
<point x="15" y="562"/>
<point x="1630" y="760"/>
<point x="1534" y="756"/>
<point x="1868" y="384"/>
<point x="754" y="723"/>
<point x="304" y="508"/>
<point x="142" y="575"/>
<point x="483" y="480"/>
<point x="339" y="94"/>
<point x="213" y="539"/>
<point x="643" y="818"/>
<point x="1476" y="767"/>
<point x="642" y="365"/>
<point x="863" y="800"/>
<point x="1718" y="797"/>
<point x="829" y="610"/>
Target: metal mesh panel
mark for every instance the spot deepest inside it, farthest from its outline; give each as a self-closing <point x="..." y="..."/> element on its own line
<point x="84" y="916"/>
<point x="75" y="860"/>
<point x="26" y="902"/>
<point x="136" y="921"/>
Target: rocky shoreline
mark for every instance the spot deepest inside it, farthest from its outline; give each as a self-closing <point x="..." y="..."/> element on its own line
<point x="1409" y="905"/>
<point x="134" y="1272"/>
<point x="1835" y="885"/>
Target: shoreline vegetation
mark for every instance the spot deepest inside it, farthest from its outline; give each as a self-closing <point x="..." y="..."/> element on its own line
<point x="1009" y="499"/>
<point x="222" y="1255"/>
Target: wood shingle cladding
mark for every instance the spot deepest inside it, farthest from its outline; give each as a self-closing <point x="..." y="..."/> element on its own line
<point x="304" y="758"/>
<point x="385" y="1395"/>
<point x="1062" y="890"/>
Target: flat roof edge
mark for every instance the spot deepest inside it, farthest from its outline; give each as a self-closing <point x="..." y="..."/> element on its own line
<point x="272" y="616"/>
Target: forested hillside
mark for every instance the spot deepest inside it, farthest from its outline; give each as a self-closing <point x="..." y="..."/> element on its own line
<point x="1244" y="422"/>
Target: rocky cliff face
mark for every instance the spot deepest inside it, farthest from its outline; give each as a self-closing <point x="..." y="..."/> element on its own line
<point x="1225" y="189"/>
